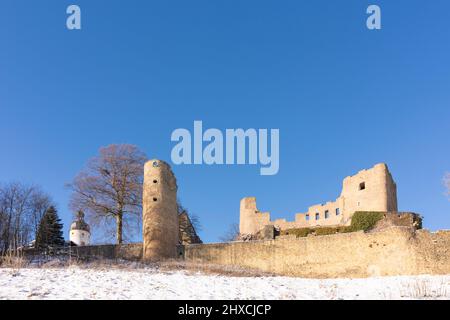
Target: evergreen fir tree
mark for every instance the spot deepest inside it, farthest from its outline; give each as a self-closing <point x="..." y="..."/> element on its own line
<point x="50" y="230"/>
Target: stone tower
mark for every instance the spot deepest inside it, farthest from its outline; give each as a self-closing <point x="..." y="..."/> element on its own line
<point x="251" y="220"/>
<point x="160" y="212"/>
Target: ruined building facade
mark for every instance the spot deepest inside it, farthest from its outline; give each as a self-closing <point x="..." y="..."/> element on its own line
<point x="369" y="190"/>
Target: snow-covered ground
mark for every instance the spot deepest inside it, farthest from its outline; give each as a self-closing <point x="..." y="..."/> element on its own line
<point x="79" y="283"/>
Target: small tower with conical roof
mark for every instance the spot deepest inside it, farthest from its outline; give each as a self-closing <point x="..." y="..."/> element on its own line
<point x="80" y="232"/>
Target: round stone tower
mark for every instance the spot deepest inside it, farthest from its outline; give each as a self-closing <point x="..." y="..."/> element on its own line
<point x="160" y="212"/>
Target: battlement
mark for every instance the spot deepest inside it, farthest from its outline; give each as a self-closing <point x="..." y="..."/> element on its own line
<point x="371" y="189"/>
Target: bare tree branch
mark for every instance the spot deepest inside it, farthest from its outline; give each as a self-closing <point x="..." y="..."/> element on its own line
<point x="21" y="209"/>
<point x="109" y="189"/>
<point x="232" y="234"/>
<point x="189" y="225"/>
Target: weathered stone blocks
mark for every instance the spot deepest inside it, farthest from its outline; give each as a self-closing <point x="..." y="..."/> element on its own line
<point x="160" y="212"/>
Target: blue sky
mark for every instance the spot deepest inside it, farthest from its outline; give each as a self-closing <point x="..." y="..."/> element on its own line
<point x="343" y="97"/>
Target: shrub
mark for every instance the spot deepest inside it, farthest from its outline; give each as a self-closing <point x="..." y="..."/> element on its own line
<point x="326" y="231"/>
<point x="361" y="221"/>
<point x="344" y="229"/>
<point x="299" y="233"/>
<point x="365" y="220"/>
<point x="418" y="222"/>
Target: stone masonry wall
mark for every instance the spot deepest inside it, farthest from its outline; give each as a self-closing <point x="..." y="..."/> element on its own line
<point x="131" y="252"/>
<point x="393" y="251"/>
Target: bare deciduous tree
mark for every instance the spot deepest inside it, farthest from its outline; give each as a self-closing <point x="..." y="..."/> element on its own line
<point x="194" y="219"/>
<point x="40" y="203"/>
<point x="21" y="209"/>
<point x="109" y="189"/>
<point x="232" y="234"/>
<point x="189" y="225"/>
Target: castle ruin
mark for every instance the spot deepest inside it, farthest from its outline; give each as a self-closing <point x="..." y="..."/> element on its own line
<point x="369" y="190"/>
<point x="160" y="212"/>
<point x="397" y="248"/>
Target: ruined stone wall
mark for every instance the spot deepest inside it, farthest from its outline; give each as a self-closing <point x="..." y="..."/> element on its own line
<point x="160" y="212"/>
<point x="369" y="190"/>
<point x="393" y="251"/>
<point x="131" y="252"/>
<point x="433" y="251"/>
<point x="251" y="220"/>
<point x="403" y="219"/>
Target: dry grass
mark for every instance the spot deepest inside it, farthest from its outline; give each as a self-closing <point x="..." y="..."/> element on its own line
<point x="209" y="269"/>
<point x="425" y="289"/>
<point x="101" y="264"/>
<point x="18" y="262"/>
<point x="13" y="260"/>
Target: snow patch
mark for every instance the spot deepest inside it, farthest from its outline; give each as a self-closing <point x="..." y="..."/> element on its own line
<point x="121" y="284"/>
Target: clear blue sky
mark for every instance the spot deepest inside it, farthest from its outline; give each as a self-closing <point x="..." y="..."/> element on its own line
<point x="343" y="97"/>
